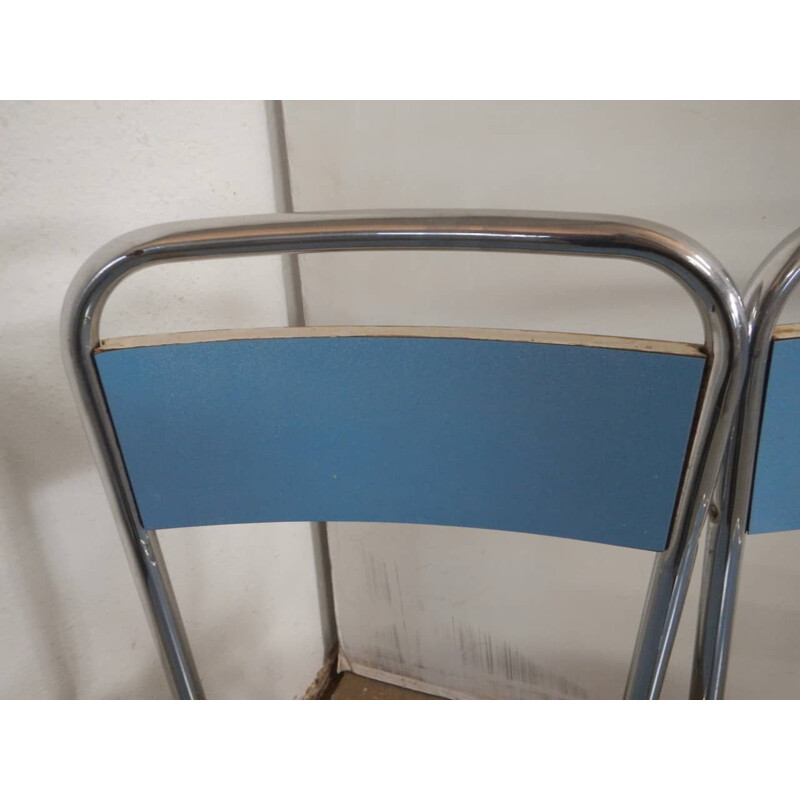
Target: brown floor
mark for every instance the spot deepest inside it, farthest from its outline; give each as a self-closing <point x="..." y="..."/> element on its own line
<point x="354" y="687"/>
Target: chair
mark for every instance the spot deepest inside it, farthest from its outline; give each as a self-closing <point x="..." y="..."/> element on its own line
<point x="759" y="491"/>
<point x="545" y="433"/>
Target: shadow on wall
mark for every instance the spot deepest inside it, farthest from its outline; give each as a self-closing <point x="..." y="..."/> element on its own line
<point x="66" y="596"/>
<point x="64" y="609"/>
<point x="41" y="445"/>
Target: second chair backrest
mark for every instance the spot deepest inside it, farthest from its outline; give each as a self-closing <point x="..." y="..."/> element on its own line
<point x="760" y="491"/>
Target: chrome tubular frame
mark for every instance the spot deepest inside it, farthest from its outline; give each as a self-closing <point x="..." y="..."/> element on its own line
<point x="567" y="234"/>
<point x="765" y="297"/>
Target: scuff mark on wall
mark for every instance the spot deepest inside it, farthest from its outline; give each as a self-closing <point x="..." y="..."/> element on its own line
<point x="377" y="575"/>
<point x="479" y="653"/>
<point x="463" y="648"/>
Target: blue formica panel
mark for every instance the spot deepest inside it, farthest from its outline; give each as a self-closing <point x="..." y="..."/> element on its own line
<point x="580" y="442"/>
<point x="776" y="491"/>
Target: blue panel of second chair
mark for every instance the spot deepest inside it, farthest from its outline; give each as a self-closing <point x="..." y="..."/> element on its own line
<point x="776" y="491"/>
<point x="580" y="442"/>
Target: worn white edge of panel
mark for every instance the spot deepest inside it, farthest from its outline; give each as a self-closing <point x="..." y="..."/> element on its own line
<point x="420" y="332"/>
<point x="788" y="331"/>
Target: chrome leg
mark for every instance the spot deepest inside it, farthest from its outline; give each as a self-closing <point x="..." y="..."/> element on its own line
<point x="718" y="595"/>
<point x="666" y="594"/>
<point x="166" y="620"/>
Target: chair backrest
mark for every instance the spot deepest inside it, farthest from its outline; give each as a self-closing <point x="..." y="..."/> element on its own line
<point x="759" y="491"/>
<point x="585" y="438"/>
<point x="594" y="438"/>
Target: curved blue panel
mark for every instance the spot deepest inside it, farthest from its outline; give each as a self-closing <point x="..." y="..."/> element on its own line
<point x="776" y="492"/>
<point x="580" y="442"/>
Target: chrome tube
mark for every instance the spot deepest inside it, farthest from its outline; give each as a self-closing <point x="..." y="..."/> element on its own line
<point x="765" y="297"/>
<point x="687" y="262"/>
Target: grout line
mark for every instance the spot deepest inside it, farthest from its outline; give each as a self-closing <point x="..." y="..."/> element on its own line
<point x="296" y="317"/>
<point x="284" y="204"/>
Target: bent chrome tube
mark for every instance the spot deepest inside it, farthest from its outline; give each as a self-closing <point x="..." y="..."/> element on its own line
<point x="566" y="234"/>
<point x="765" y="297"/>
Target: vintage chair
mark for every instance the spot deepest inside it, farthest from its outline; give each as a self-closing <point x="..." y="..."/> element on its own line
<point x="759" y="493"/>
<point x="596" y="438"/>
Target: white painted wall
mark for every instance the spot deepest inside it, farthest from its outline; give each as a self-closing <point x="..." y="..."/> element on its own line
<point x="505" y="614"/>
<point x="73" y="176"/>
